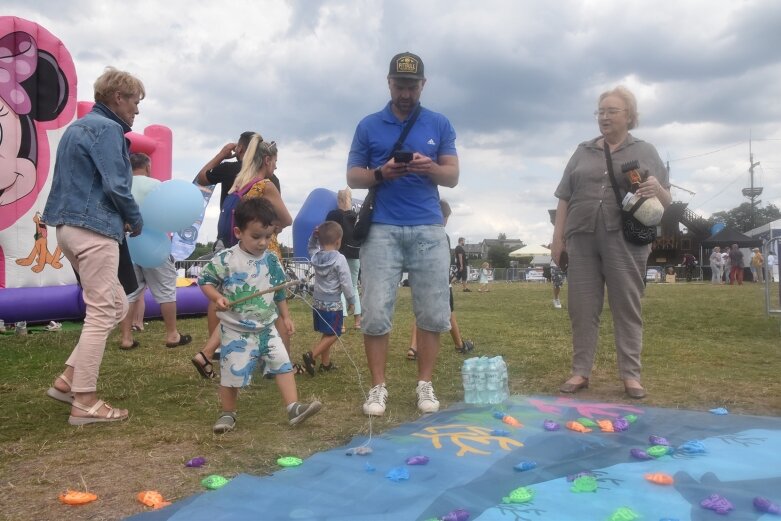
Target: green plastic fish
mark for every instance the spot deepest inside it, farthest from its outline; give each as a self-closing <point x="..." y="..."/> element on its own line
<point x="623" y="514"/>
<point x="584" y="484"/>
<point x="214" y="482"/>
<point x="631" y="418"/>
<point x="657" y="451"/>
<point x="289" y="461"/>
<point x="519" y="495"/>
<point x="586" y="422"/>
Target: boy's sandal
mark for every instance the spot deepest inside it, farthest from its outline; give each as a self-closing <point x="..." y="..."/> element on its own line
<point x="92" y="414"/>
<point x="298" y="369"/>
<point x="204" y="368"/>
<point x="412" y="354"/>
<point x="61" y="396"/>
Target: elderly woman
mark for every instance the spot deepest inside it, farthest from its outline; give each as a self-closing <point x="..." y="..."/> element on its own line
<point x="91" y="205"/>
<point x="588" y="227"/>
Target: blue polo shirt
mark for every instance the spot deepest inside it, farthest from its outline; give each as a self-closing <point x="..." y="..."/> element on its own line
<point x="413" y="199"/>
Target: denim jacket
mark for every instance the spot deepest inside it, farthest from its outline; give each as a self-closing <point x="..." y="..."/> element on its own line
<point x="92" y="177"/>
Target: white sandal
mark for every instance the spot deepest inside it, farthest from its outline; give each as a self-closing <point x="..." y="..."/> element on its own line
<point x="61" y="396"/>
<point x="92" y="414"/>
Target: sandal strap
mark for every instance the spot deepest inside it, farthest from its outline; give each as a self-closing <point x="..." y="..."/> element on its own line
<point x="92" y="411"/>
<point x="66" y="380"/>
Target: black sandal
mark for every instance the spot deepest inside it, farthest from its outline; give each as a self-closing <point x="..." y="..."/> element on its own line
<point x="412" y="354"/>
<point x="206" y="369"/>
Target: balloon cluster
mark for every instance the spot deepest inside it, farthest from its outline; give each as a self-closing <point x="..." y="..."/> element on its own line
<point x="166" y="207"/>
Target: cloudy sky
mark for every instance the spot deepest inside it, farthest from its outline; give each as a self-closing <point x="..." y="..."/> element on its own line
<point x="519" y="81"/>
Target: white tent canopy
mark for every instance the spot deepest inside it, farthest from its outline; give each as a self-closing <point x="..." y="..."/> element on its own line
<point x="530" y="251"/>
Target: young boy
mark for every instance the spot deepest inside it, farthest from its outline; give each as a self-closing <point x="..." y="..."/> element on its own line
<point x="332" y="278"/>
<point x="247" y="331"/>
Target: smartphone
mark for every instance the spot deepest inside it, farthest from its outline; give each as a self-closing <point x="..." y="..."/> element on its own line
<point x="402" y="156"/>
<point x="564" y="261"/>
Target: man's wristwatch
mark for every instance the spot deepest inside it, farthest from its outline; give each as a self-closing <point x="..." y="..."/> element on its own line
<point x="378" y="175"/>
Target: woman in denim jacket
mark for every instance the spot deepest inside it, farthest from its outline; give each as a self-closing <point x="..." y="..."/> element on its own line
<point x="91" y="205"/>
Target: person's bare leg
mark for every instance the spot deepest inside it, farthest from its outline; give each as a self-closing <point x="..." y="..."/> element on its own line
<point x="228" y="396"/>
<point x="323" y="347"/>
<point x="284" y="334"/>
<point x="168" y="311"/>
<point x="138" y="312"/>
<point x="428" y="349"/>
<point x="455" y="332"/>
<point x="376" y="348"/>
<point x="286" y="383"/>
<point x="211" y="317"/>
<point x="211" y="345"/>
<point x="126" y="328"/>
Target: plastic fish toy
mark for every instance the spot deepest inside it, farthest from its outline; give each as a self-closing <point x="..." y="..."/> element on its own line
<point x="763" y="504"/>
<point x="657" y="451"/>
<point x="74" y="497"/>
<point x="550" y="425"/>
<point x="584" y="484"/>
<point x="660" y="478"/>
<point x="499" y="432"/>
<point x="719" y="411"/>
<point x="456" y="515"/>
<point x="196" y="462"/>
<point x="587" y="422"/>
<point x="397" y="474"/>
<point x="519" y="495"/>
<point x="289" y="461"/>
<point x="152" y="498"/>
<point x="577" y="427"/>
<point x="214" y="482"/>
<point x="620" y="425"/>
<point x="359" y="451"/>
<point x="640" y="454"/>
<point x="605" y="425"/>
<point x="417" y="460"/>
<point x="692" y="447"/>
<point x="498" y="415"/>
<point x="525" y="465"/>
<point x="717" y="503"/>
<point x="631" y="418"/>
<point x="623" y="514"/>
<point x="512" y="422"/>
<point x="658" y="440"/>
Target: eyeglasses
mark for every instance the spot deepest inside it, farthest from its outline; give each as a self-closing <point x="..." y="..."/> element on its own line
<point x="607" y="113"/>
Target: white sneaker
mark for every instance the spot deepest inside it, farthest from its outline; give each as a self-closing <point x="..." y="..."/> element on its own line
<point x="427" y="400"/>
<point x="556" y="303"/>
<point x="375" y="403"/>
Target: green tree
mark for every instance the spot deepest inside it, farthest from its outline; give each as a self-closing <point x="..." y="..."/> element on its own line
<point x="201" y="249"/>
<point x="502" y="237"/>
<point x="499" y="256"/>
<point x="740" y="218"/>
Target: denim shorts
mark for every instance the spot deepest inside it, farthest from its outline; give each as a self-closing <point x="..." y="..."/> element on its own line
<point x="422" y="251"/>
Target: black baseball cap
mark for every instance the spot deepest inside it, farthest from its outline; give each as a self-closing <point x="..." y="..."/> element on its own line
<point x="406" y="65"/>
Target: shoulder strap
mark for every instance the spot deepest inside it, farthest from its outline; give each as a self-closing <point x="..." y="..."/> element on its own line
<point x="407" y="127"/>
<point x="609" y="161"/>
<point x="247" y="187"/>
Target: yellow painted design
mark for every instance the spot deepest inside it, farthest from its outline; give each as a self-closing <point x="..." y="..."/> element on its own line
<point x="465" y="437"/>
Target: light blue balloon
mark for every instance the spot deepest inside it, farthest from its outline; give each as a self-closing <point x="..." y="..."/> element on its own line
<point x="150" y="249"/>
<point x="173" y="205"/>
<point x="141" y="187"/>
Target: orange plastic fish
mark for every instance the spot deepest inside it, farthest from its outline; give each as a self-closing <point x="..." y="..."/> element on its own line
<point x="605" y="425"/>
<point x="509" y="420"/>
<point x="660" y="478"/>
<point x="152" y="498"/>
<point x="74" y="497"/>
<point x="575" y="426"/>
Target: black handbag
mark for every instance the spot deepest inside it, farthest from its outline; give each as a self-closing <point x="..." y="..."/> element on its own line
<point x="634" y="231"/>
<point x="364" y="219"/>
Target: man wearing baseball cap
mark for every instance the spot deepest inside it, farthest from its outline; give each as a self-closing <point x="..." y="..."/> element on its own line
<point x="407" y="232"/>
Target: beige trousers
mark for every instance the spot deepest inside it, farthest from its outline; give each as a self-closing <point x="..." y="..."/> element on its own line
<point x="95" y="258"/>
<point x="596" y="261"/>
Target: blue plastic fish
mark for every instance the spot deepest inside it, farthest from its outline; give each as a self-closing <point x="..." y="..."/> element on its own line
<point x="525" y="465"/>
<point x="720" y="411"/>
<point x="499" y="432"/>
<point x="692" y="447"/>
<point x="397" y="474"/>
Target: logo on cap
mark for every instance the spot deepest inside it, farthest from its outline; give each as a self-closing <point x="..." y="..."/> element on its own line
<point x="407" y="65"/>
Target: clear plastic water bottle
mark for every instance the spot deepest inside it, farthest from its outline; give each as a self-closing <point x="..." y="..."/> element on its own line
<point x="493" y="381"/>
<point x="481" y="379"/>
<point x="468" y="376"/>
<point x="504" y="386"/>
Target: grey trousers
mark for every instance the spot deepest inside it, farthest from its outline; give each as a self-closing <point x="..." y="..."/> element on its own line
<point x="598" y="260"/>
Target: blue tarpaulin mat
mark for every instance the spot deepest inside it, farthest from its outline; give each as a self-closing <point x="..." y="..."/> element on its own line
<point x="473" y="457"/>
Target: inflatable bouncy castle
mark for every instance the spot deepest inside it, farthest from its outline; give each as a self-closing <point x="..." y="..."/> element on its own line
<point x="37" y="102"/>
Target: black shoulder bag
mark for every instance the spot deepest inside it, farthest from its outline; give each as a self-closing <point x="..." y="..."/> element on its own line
<point x="364" y="219"/>
<point x="634" y="231"/>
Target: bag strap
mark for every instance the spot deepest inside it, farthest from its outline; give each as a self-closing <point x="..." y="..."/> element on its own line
<point x="609" y="161"/>
<point x="407" y="127"/>
<point x="247" y="187"/>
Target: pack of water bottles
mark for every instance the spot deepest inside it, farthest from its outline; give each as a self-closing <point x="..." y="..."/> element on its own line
<point x="485" y="380"/>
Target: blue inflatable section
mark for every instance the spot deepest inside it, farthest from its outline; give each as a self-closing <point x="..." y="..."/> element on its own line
<point x="474" y="460"/>
<point x="317" y="205"/>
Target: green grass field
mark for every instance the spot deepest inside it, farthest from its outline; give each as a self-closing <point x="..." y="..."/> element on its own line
<point x="705" y="346"/>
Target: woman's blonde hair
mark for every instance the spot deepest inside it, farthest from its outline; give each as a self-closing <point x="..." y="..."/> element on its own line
<point x="344" y="199"/>
<point x="113" y="80"/>
<point x="629" y="100"/>
<point x="254" y="158"/>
